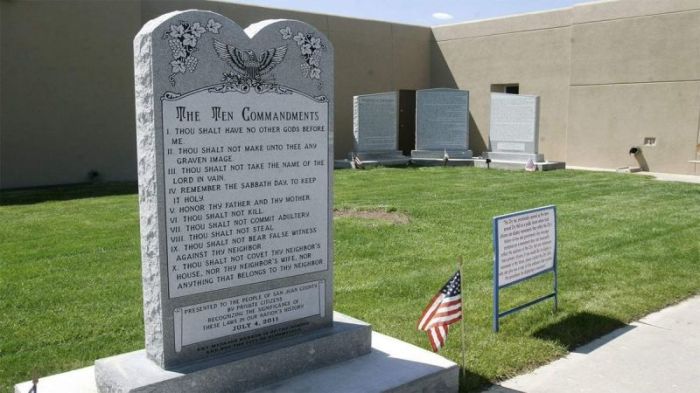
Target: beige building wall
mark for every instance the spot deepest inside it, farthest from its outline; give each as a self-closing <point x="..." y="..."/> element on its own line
<point x="635" y="73"/>
<point x="67" y="91"/>
<point x="532" y="50"/>
<point x="66" y="80"/>
<point x="610" y="74"/>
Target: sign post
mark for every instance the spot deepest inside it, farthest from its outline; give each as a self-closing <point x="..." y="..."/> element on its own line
<point x="524" y="246"/>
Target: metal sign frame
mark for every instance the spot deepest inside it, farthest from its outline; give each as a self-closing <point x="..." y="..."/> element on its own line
<point x="497" y="314"/>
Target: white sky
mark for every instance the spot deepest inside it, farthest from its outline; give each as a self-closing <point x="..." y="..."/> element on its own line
<point x="417" y="12"/>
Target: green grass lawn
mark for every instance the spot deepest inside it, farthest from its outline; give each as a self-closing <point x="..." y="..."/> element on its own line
<point x="70" y="289"/>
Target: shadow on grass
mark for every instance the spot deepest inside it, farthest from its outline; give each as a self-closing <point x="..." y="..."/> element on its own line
<point x="576" y="330"/>
<point x="472" y="382"/>
<point x="28" y="196"/>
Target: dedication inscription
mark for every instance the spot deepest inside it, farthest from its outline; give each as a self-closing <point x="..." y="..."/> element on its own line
<point x="234" y="140"/>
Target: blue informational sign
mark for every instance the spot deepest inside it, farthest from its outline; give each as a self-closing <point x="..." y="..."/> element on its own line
<point x="524" y="246"/>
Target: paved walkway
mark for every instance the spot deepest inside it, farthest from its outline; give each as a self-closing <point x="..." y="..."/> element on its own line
<point x="656" y="175"/>
<point x="659" y="353"/>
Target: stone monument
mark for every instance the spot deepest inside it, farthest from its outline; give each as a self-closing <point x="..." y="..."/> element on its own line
<point x="376" y="128"/>
<point x="514" y="135"/>
<point x="234" y="134"/>
<point x="514" y="131"/>
<point x="442" y="125"/>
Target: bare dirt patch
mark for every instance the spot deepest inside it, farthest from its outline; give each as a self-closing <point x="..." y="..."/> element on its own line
<point x="379" y="215"/>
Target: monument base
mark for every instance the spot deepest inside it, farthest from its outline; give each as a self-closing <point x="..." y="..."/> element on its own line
<point x="517" y="165"/>
<point x="341" y="164"/>
<point x="442" y="162"/>
<point x="383" y="158"/>
<point x="437" y="158"/>
<point x="517" y="157"/>
<point x="391" y="366"/>
<point x="440" y="154"/>
<point x="134" y="372"/>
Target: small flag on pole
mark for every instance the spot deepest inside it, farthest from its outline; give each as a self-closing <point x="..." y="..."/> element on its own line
<point x="443" y="310"/>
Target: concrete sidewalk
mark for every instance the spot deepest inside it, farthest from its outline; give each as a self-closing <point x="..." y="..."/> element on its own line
<point x="657" y="175"/>
<point x="659" y="353"/>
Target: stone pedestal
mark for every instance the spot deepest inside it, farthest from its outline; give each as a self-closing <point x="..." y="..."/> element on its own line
<point x="440" y="154"/>
<point x="384" y="158"/>
<point x="437" y="158"/>
<point x="518" y="166"/>
<point x="133" y="372"/>
<point x="516" y="157"/>
<point x="391" y="366"/>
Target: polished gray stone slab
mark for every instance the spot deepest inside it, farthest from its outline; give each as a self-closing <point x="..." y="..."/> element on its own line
<point x="391" y="366"/>
<point x="442" y="162"/>
<point x="514" y="123"/>
<point x="133" y="372"/>
<point x="442" y="121"/>
<point x="375" y="122"/>
<point x="518" y="157"/>
<point x="440" y="154"/>
<point x="387" y="158"/>
<point x="342" y="164"/>
<point x="376" y="129"/>
<point x="234" y="135"/>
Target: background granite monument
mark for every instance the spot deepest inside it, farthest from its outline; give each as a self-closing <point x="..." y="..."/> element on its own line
<point x="376" y="129"/>
<point x="442" y="124"/>
<point x="514" y="135"/>
<point x="514" y="131"/>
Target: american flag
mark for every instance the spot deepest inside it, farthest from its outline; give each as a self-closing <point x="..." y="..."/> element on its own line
<point x="443" y="310"/>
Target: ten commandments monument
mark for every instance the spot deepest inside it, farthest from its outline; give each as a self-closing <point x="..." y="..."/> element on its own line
<point x="234" y="134"/>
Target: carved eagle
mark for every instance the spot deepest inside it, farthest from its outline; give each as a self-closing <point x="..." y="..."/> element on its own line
<point x="247" y="62"/>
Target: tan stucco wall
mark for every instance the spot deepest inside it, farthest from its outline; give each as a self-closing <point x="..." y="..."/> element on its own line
<point x="609" y="74"/>
<point x="67" y="91"/>
<point x="532" y="50"/>
<point x="67" y="80"/>
<point x="635" y="76"/>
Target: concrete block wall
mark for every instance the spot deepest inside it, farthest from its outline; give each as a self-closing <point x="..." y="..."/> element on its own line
<point x="610" y="74"/>
<point x="66" y="80"/>
<point x="531" y="50"/>
<point x="635" y="74"/>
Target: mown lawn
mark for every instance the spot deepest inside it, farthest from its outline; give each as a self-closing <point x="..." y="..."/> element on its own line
<point x="70" y="288"/>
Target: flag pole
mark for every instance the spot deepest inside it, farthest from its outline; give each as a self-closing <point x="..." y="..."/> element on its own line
<point x="461" y="278"/>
